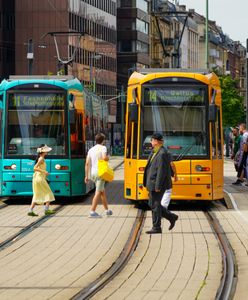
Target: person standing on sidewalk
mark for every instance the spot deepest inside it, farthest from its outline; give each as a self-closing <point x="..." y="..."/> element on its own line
<point x="99" y="151"/>
<point x="157" y="179"/>
<point x="42" y="194"/>
<point x="236" y="147"/>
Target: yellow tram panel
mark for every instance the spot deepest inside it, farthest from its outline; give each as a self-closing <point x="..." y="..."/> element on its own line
<point x="183" y="166"/>
<point x="192" y="192"/>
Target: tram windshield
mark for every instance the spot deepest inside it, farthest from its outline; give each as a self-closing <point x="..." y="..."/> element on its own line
<point x="179" y="113"/>
<point x="34" y="119"/>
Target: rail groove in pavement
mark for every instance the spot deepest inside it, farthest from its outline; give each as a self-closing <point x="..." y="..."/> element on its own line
<point x="119" y="264"/>
<point x="229" y="279"/>
<point x="24" y="231"/>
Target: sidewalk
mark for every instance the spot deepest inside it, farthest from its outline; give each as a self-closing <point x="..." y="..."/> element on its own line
<point x="116" y="161"/>
<point x="235" y="224"/>
<point x="67" y="252"/>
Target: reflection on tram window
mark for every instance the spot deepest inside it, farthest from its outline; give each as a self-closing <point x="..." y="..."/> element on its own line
<point x="31" y="123"/>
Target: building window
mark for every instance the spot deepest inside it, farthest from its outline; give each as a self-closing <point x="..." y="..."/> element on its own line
<point x="141" y="26"/>
<point x="141" y="47"/>
<point x="126" y="46"/>
<point x="142" y="4"/>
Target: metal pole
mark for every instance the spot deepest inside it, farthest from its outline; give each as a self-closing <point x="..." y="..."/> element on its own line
<point x="30" y="56"/>
<point x="206" y="37"/>
<point x="246" y="82"/>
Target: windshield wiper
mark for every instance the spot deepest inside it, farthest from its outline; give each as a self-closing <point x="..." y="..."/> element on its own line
<point x="182" y="154"/>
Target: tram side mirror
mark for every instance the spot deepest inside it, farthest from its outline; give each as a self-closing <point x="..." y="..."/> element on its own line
<point x="71" y="101"/>
<point x="212" y="115"/>
<point x="134" y="94"/>
<point x="133" y="112"/>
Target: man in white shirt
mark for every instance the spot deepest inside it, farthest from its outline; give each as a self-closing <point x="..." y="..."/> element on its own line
<point x="99" y="151"/>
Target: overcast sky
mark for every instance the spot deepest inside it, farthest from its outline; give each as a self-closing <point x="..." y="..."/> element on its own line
<point x="230" y="15"/>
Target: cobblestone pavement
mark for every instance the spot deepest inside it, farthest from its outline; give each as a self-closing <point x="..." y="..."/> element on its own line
<point x="70" y="250"/>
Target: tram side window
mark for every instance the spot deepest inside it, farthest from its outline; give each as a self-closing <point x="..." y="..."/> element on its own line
<point x="220" y="150"/>
<point x="135" y="139"/>
<point x="77" y="136"/>
<point x="214" y="150"/>
<point x="128" y="137"/>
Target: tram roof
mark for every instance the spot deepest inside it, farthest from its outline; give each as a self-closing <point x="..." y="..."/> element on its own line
<point x="167" y="70"/>
<point x="146" y="74"/>
<point x="64" y="81"/>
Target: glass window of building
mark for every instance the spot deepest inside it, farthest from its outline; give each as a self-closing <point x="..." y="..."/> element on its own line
<point x="125" y="46"/>
<point x="142" y="26"/>
<point x="142" y="4"/>
<point x="141" y="47"/>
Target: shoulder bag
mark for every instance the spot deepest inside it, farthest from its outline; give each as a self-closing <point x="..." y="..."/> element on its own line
<point x="105" y="172"/>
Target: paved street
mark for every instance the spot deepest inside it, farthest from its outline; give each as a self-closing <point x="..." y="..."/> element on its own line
<point x="69" y="250"/>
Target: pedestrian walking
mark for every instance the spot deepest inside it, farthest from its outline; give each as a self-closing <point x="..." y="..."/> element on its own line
<point x="157" y="179"/>
<point x="165" y="202"/>
<point x="243" y="155"/>
<point x="99" y="151"/>
<point x="42" y="194"/>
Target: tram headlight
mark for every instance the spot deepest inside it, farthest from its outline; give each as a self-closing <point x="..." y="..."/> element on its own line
<point x="13" y="167"/>
<point x="57" y="167"/>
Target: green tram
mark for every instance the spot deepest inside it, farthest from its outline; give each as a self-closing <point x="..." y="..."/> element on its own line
<point x="53" y="110"/>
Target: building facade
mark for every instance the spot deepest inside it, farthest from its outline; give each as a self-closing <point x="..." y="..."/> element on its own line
<point x="95" y="60"/>
<point x="7" y="38"/>
<point x="132" y="38"/>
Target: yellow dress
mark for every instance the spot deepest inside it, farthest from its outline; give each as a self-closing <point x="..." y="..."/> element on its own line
<point x="41" y="190"/>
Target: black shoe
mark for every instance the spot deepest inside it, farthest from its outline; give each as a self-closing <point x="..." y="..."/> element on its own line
<point x="237" y="182"/>
<point x="154" y="231"/>
<point x="173" y="221"/>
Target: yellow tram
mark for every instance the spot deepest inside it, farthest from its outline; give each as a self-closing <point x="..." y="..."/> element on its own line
<point x="185" y="106"/>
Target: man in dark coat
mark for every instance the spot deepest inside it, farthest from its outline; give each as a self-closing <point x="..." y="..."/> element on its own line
<point x="157" y="179"/>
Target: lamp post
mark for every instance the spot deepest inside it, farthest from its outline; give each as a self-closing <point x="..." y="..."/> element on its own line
<point x="206" y="37"/>
<point x="30" y="56"/>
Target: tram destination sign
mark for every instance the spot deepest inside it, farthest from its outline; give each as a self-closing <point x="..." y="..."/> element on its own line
<point x="174" y="96"/>
<point x="48" y="100"/>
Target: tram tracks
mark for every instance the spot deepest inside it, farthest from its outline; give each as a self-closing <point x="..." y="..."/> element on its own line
<point x="119" y="264"/>
<point x="27" y="229"/>
<point x="2" y="204"/>
<point x="229" y="277"/>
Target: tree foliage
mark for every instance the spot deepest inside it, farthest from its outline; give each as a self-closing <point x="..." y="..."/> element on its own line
<point x="232" y="103"/>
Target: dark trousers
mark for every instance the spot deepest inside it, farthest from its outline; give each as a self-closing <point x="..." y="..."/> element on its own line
<point x="242" y="164"/>
<point x="156" y="207"/>
<point x="158" y="211"/>
<point x="167" y="214"/>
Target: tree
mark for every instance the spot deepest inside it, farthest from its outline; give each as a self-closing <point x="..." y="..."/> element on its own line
<point x="232" y="103"/>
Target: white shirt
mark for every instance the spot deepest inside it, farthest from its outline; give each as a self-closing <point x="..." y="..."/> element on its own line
<point x="95" y="153"/>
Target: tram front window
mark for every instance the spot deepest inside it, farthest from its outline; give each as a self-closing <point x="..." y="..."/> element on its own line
<point x="34" y="119"/>
<point x="180" y="115"/>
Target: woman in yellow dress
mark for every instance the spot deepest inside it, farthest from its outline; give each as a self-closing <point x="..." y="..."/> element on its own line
<point x="42" y="193"/>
